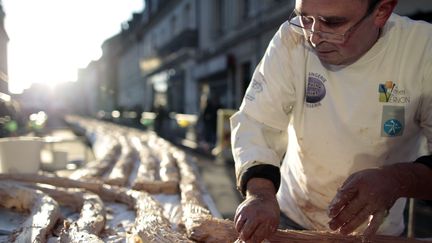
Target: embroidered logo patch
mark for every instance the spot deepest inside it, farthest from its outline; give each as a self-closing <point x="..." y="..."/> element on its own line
<point x="389" y="92"/>
<point x="385" y="91"/>
<point x="315" y="89"/>
<point x="393" y="121"/>
<point x="392" y="127"/>
<point x="256" y="86"/>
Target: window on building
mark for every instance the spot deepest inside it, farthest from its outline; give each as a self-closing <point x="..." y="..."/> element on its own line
<point x="173" y="24"/>
<point x="161" y="37"/>
<point x="153" y="6"/>
<point x="153" y="41"/>
<point x="221" y="16"/>
<point x="187" y="16"/>
<point x="245" y="9"/>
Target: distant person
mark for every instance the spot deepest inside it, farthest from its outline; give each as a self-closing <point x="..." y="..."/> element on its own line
<point x="138" y="112"/>
<point x="209" y="119"/>
<point x="161" y="119"/>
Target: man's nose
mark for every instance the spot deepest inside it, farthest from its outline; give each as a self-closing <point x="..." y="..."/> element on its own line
<point x="315" y="35"/>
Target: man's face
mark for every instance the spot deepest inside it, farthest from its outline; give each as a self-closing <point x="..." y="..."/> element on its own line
<point x="339" y="16"/>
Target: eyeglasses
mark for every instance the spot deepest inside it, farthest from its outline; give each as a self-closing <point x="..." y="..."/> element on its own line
<point x="304" y="25"/>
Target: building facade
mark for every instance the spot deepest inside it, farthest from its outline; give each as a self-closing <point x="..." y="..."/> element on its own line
<point x="170" y="38"/>
<point x="232" y="41"/>
<point x="178" y="54"/>
<point x="4" y="39"/>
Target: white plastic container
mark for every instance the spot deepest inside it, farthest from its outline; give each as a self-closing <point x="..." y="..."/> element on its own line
<point x="20" y="154"/>
<point x="53" y="160"/>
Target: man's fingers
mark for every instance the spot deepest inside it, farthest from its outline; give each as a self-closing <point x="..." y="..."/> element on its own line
<point x="248" y="229"/>
<point x="358" y="220"/>
<point x="239" y="211"/>
<point x="348" y="213"/>
<point x="240" y="223"/>
<point x="262" y="232"/>
<point x="374" y="224"/>
<point x="237" y="214"/>
<point x="343" y="196"/>
<point x="273" y="229"/>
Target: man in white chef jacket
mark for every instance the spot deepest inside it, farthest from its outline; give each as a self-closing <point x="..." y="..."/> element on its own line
<point x="343" y="97"/>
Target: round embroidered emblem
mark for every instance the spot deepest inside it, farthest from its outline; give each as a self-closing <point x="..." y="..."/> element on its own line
<point x="392" y="127"/>
<point x="315" y="90"/>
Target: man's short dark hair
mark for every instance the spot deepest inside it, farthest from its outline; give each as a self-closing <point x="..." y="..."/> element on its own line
<point x="372" y="4"/>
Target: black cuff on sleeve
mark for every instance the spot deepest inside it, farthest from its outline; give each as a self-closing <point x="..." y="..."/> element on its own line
<point x="426" y="160"/>
<point x="265" y="171"/>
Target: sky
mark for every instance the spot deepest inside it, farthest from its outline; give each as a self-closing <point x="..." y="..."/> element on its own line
<point x="49" y="40"/>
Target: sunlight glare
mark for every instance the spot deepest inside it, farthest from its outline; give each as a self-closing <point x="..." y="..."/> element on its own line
<point x="61" y="37"/>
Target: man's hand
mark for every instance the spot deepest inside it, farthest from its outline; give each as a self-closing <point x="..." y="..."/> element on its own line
<point x="367" y="194"/>
<point x="257" y="217"/>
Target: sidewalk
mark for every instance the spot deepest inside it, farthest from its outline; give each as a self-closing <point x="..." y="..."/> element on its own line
<point x="219" y="179"/>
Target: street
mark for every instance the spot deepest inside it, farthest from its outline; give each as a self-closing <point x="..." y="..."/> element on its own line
<point x="217" y="179"/>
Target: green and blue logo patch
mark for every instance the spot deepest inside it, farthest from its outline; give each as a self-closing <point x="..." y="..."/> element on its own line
<point x="385" y="91"/>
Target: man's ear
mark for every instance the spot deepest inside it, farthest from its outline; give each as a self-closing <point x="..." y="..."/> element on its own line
<point x="383" y="11"/>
